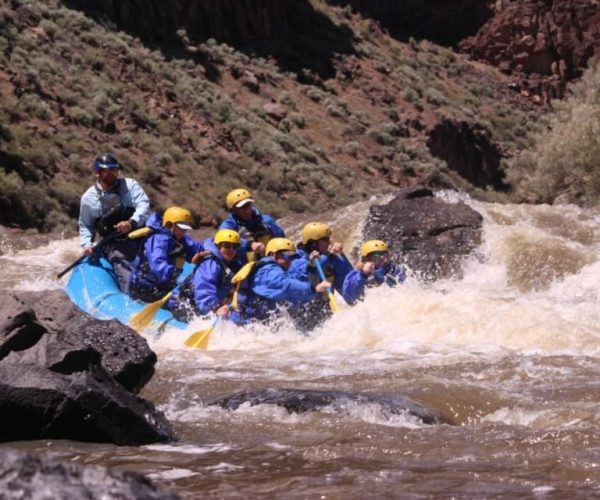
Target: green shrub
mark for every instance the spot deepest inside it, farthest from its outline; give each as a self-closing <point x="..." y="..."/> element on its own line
<point x="351" y="148"/>
<point x="34" y="105"/>
<point x="564" y="161"/>
<point x="381" y="137"/>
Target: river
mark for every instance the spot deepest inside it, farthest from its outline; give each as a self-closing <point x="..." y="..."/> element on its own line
<point x="508" y="352"/>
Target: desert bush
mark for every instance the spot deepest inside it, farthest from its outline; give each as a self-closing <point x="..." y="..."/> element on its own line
<point x="257" y="149"/>
<point x="434" y="97"/>
<point x="381" y="137"/>
<point x="10" y="183"/>
<point x="286" y="99"/>
<point x="84" y="116"/>
<point x="298" y="120"/>
<point x="316" y="94"/>
<point x="335" y="108"/>
<point x="351" y="148"/>
<point x="564" y="160"/>
<point x="50" y="28"/>
<point x="34" y="105"/>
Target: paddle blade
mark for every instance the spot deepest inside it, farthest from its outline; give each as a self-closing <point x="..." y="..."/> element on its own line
<point x="199" y="340"/>
<point x="332" y="302"/>
<point x="141" y="320"/>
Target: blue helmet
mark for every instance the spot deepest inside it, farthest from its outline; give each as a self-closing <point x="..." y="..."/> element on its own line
<point x="105" y="161"/>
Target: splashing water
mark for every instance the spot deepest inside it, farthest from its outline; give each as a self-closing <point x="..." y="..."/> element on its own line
<point x="508" y="352"/>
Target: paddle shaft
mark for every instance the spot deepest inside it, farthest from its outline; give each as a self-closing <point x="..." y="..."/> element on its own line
<point x="332" y="302"/>
<point x="96" y="248"/>
<point x="321" y="273"/>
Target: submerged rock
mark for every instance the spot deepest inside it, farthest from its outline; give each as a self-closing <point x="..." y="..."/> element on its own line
<point x="23" y="475"/>
<point x="300" y="401"/>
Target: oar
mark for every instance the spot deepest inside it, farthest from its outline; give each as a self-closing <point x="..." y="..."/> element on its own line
<point x="199" y="340"/>
<point x="332" y="303"/>
<point x="141" y="320"/>
<point x="96" y="249"/>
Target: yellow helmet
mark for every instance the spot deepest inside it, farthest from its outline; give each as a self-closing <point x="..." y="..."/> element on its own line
<point x="373" y="246"/>
<point x="179" y="216"/>
<point x="236" y="196"/>
<point x="315" y="231"/>
<point x="280" y="245"/>
<point x="227" y="236"/>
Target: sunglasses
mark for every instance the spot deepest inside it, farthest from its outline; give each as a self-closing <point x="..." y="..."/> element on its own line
<point x="286" y="256"/>
<point x="229" y="246"/>
<point x="376" y="255"/>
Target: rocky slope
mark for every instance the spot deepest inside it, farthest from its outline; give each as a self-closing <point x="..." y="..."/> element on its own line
<point x="312" y="104"/>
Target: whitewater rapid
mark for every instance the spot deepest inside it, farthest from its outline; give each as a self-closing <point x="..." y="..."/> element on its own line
<point x="508" y="352"/>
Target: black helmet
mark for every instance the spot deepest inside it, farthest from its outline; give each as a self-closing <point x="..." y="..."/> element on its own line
<point x="105" y="161"/>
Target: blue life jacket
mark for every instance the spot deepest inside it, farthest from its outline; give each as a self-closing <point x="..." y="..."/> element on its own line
<point x="335" y="268"/>
<point x="208" y="287"/>
<point x="356" y="282"/>
<point x="262" y="227"/>
<point x="267" y="288"/>
<point x="159" y="261"/>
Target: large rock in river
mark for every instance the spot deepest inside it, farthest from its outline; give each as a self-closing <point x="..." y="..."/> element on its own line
<point x="425" y="233"/>
<point x="66" y="375"/>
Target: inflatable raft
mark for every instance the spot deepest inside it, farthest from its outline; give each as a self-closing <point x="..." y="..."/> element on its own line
<point x="93" y="287"/>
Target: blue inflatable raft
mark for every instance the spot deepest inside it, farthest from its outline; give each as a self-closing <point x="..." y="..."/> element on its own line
<point x="93" y="287"/>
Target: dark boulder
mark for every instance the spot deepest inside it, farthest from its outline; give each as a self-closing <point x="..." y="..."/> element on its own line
<point x="430" y="236"/>
<point x="37" y="403"/>
<point x="66" y="375"/>
<point x="23" y="475"/>
<point x="61" y="337"/>
<point x="300" y="401"/>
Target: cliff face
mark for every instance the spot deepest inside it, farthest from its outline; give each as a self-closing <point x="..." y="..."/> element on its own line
<point x="550" y="42"/>
<point x="292" y="31"/>
<point x="545" y="43"/>
<point x="243" y="21"/>
<point x="229" y="21"/>
<point x="445" y="23"/>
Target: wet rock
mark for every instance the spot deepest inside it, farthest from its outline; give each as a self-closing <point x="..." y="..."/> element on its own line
<point x="23" y="475"/>
<point x="37" y="403"/>
<point x="430" y="236"/>
<point x="300" y="401"/>
<point x="59" y="336"/>
<point x="66" y="375"/>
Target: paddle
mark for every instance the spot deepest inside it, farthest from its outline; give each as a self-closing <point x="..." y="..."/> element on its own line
<point x="332" y="303"/>
<point x="199" y="340"/>
<point x="141" y="320"/>
<point x="96" y="249"/>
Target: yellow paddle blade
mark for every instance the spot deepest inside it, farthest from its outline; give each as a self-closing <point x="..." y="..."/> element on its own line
<point x="141" y="320"/>
<point x="199" y="340"/>
<point x="332" y="302"/>
<point x="243" y="273"/>
<point x="142" y="232"/>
